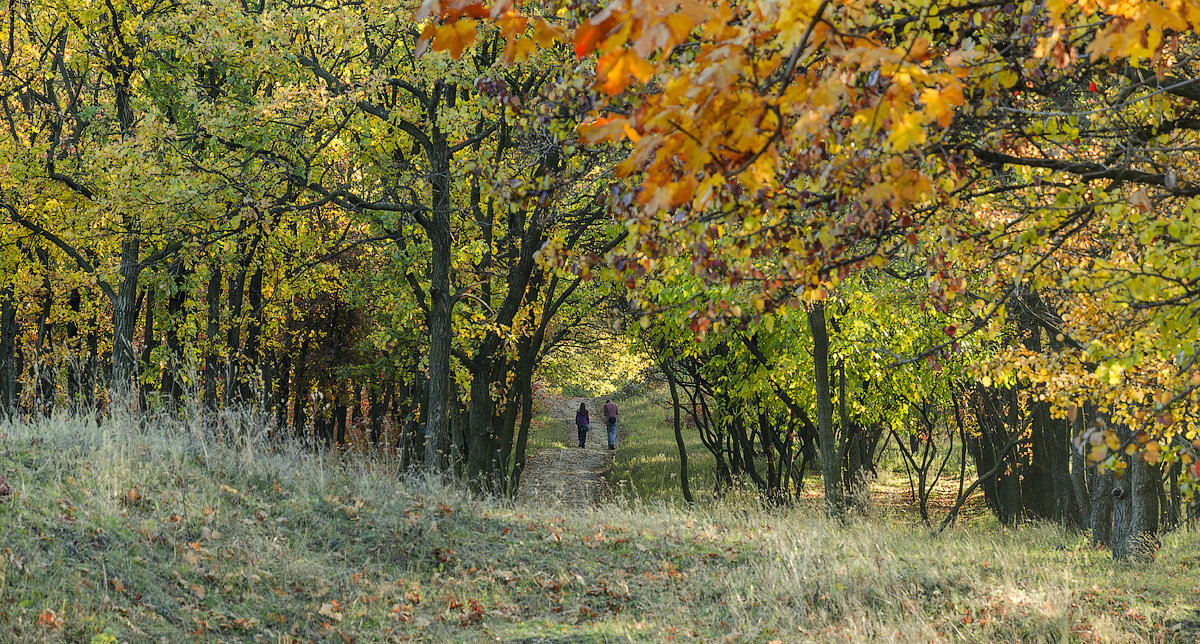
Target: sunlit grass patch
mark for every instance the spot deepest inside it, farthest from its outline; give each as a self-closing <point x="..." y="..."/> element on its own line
<point x="646" y="465"/>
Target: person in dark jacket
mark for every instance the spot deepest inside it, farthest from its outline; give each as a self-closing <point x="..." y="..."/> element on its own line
<point x="582" y="422"/>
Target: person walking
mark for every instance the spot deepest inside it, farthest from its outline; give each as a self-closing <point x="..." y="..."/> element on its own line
<point x="582" y="423"/>
<point x="610" y="422"/>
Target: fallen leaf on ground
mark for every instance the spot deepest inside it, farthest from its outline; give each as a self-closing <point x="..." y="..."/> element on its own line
<point x="330" y="609"/>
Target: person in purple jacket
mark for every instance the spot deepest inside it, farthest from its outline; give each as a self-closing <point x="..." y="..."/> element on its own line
<point x="583" y="423"/>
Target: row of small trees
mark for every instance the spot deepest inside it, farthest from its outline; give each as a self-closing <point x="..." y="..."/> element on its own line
<point x="753" y="392"/>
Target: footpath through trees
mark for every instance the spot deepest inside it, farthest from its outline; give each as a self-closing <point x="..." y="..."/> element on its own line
<point x="570" y="476"/>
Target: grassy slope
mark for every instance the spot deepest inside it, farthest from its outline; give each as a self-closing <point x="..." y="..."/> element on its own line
<point x="122" y="533"/>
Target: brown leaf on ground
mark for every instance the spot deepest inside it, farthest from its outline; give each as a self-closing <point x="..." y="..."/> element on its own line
<point x="6" y="491"/>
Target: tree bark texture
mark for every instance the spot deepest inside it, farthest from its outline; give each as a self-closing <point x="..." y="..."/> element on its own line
<point x="124" y="360"/>
<point x="831" y="467"/>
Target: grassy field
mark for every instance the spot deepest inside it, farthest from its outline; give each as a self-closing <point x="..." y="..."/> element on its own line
<point x="160" y="531"/>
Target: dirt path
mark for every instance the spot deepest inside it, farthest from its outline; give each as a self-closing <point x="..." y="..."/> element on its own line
<point x="570" y="476"/>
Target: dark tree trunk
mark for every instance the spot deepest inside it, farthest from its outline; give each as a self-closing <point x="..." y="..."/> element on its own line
<point x="233" y="336"/>
<point x="1144" y="509"/>
<point x="300" y="387"/>
<point x="375" y="409"/>
<point x="1175" y="512"/>
<point x="522" y="439"/>
<point x="149" y="342"/>
<point x="76" y="359"/>
<point x="1103" y="501"/>
<point x="212" y="364"/>
<point x="997" y="414"/>
<point x="481" y="415"/>
<point x="339" y="414"/>
<point x="124" y="359"/>
<point x="92" y="366"/>
<point x="683" y="462"/>
<point x="172" y="386"/>
<point x="42" y="364"/>
<point x="1122" y="513"/>
<point x="459" y="446"/>
<point x="737" y="427"/>
<point x="441" y="307"/>
<point x="283" y="373"/>
<point x="831" y="468"/>
<point x="8" y="350"/>
<point x="254" y="361"/>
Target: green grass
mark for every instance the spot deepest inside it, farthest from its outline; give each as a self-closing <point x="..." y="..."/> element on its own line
<point x="646" y="465"/>
<point x="162" y="531"/>
<point x="545" y="431"/>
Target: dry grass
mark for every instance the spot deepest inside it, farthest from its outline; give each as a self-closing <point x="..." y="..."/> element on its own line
<point x="151" y="531"/>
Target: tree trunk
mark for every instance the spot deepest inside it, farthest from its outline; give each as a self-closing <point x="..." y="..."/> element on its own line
<point x="522" y="440"/>
<point x="1102" y="509"/>
<point x="831" y="468"/>
<point x="480" y="415"/>
<point x="683" y="462"/>
<point x="233" y="339"/>
<point x="75" y="359"/>
<point x="281" y="392"/>
<point x="149" y="342"/>
<point x="459" y="447"/>
<point x="8" y="346"/>
<point x="92" y="365"/>
<point x="172" y="386"/>
<point x="342" y="393"/>
<point x="212" y="359"/>
<point x="124" y="360"/>
<point x="1144" y="509"/>
<point x="441" y="305"/>
<point x="1121" y="514"/>
<point x="42" y="363"/>
<point x="256" y="364"/>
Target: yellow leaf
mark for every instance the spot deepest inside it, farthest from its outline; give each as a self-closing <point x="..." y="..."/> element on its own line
<point x="907" y="131"/>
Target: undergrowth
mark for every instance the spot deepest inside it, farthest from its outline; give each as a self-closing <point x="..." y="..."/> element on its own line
<point x="148" y="531"/>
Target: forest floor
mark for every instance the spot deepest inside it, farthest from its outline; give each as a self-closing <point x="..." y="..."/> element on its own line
<point x="156" y="530"/>
<point x="567" y="475"/>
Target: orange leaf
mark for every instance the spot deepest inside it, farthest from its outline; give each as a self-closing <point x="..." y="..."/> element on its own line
<point x="512" y="24"/>
<point x="48" y="618"/>
<point x="607" y="128"/>
<point x="680" y="27"/>
<point x="590" y="34"/>
<point x="455" y="37"/>
<point x="544" y="33"/>
<point x="615" y="69"/>
<point x="518" y="49"/>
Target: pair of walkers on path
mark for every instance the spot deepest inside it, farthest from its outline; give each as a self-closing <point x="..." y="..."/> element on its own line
<point x="583" y="423"/>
